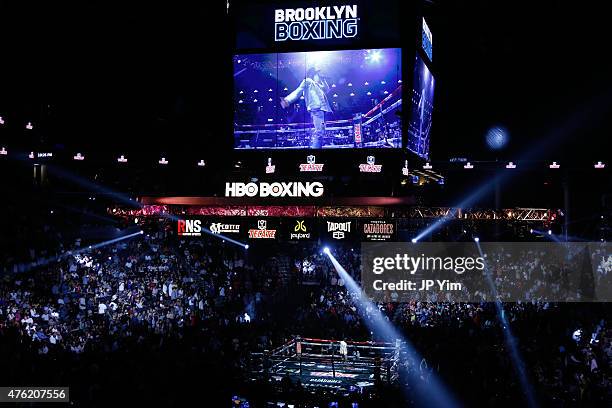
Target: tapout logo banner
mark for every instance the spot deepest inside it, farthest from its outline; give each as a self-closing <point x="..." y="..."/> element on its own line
<point x="279" y="189"/>
<point x="316" y="23"/>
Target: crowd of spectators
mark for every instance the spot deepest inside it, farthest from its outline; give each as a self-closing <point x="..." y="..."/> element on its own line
<point x="161" y="296"/>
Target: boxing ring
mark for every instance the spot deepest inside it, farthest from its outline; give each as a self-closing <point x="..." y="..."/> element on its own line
<point x="317" y="363"/>
<point x="369" y="130"/>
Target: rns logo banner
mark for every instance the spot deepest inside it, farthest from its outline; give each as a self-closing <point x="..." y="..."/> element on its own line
<point x="290" y="189"/>
<point x="189" y="228"/>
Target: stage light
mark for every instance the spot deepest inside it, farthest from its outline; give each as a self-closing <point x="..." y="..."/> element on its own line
<point x="317" y="59"/>
<point x="600" y="165"/>
<point x="497" y="137"/>
<point x="414" y="240"/>
<point x="373" y="56"/>
<point x="476" y="239"/>
<point x="554" y="165"/>
<point x="326" y="250"/>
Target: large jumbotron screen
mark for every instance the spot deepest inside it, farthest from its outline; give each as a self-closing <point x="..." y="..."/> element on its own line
<point x="319" y="99"/>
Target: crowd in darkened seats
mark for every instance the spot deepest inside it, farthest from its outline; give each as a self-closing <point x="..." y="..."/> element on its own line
<point x="159" y="296"/>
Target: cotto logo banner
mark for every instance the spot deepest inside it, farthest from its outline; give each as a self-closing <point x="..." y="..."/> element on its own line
<point x="221" y="228"/>
<point x="281" y="189"/>
<point x="189" y="228"/>
<point x="316" y="23"/>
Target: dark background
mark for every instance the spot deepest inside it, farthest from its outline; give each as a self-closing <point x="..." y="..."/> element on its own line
<point x="156" y="76"/>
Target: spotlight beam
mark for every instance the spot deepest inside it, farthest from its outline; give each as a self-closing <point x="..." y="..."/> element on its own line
<point x="46" y="261"/>
<point x="510" y="339"/>
<point x="433" y="393"/>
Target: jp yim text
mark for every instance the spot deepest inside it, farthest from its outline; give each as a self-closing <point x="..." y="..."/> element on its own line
<point x="412" y="264"/>
<point x="315" y="23"/>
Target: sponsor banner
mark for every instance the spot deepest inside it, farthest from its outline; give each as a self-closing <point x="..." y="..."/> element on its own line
<point x="311" y="164"/>
<point x="338" y="229"/>
<point x="487" y="271"/>
<point x="232" y="227"/>
<point x="300" y="229"/>
<point x="263" y="229"/>
<point x="189" y="227"/>
<point x="378" y="230"/>
<point x="370" y="166"/>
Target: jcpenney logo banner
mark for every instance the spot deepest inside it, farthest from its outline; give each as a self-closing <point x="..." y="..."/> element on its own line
<point x="278" y="189"/>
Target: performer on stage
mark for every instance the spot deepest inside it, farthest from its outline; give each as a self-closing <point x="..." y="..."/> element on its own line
<point x="343" y="349"/>
<point x="314" y="88"/>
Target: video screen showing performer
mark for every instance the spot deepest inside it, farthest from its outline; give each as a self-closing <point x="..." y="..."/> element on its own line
<point x="320" y="99"/>
<point x="419" y="127"/>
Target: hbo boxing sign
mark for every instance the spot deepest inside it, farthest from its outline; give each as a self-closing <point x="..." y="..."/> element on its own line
<point x="280" y="189"/>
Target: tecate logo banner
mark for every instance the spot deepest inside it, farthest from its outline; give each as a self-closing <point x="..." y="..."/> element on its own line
<point x="262" y="231"/>
<point x="280" y="189"/>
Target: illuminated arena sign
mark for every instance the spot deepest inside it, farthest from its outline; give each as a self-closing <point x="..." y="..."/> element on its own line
<point x="280" y="189"/>
<point x="370" y="166"/>
<point x="220" y="228"/>
<point x="311" y="164"/>
<point x="189" y="228"/>
<point x="262" y="232"/>
<point x="316" y="23"/>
